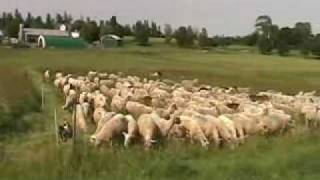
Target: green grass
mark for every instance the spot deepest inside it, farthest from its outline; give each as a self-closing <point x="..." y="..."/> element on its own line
<point x="289" y="74"/>
<point x="33" y="154"/>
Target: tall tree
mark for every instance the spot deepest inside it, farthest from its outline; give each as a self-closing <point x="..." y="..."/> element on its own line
<point x="59" y="19"/>
<point x="302" y="33"/>
<point x="67" y="18"/>
<point x="112" y="27"/>
<point x="2" y="23"/>
<point x="191" y="35"/>
<point x="265" y="45"/>
<point x="90" y="31"/>
<point x="315" y="45"/>
<point x="303" y="29"/>
<point x="49" y="22"/>
<point x="283" y="41"/>
<point x="28" y="21"/>
<point x="38" y="23"/>
<point x="184" y="36"/>
<point x="203" y="38"/>
<point x="113" y="21"/>
<point x="77" y="25"/>
<point x="3" y="20"/>
<point x="12" y="28"/>
<point x="168" y="33"/>
<point x="107" y="29"/>
<point x="267" y="34"/>
<point x="155" y="30"/>
<point x="142" y="33"/>
<point x="9" y="17"/>
<point x="127" y="30"/>
<point x="18" y="16"/>
<point x="263" y="24"/>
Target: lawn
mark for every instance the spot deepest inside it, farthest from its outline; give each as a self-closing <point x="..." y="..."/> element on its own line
<point x="28" y="150"/>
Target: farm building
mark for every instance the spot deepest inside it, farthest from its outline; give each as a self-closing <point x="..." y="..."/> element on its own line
<point x="51" y="38"/>
<point x="60" y="42"/>
<point x="110" y="40"/>
<point x="1" y="36"/>
<point x="31" y="35"/>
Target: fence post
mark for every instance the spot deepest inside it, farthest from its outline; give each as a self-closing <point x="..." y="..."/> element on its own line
<point x="74" y="124"/>
<point x="42" y="98"/>
<point x="56" y="126"/>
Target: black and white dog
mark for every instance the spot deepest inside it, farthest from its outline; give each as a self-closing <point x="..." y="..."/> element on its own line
<point x="65" y="131"/>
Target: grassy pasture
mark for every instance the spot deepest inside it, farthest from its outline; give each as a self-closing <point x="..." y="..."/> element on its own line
<point x="34" y="155"/>
<point x="226" y="68"/>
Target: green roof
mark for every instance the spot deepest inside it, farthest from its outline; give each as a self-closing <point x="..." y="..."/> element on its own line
<point x="64" y="42"/>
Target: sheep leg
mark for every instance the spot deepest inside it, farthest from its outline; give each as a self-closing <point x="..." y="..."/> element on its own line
<point x="241" y="135"/>
<point x="216" y="138"/>
<point x="307" y="123"/>
<point x="110" y="143"/>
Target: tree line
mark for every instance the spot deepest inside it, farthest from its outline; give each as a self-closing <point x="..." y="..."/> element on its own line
<point x="92" y="30"/>
<point x="268" y="37"/>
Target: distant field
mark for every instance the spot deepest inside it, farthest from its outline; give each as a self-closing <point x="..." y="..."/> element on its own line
<point x="34" y="155"/>
<point x="217" y="67"/>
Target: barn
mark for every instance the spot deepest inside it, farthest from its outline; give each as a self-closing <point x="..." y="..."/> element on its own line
<point x="60" y="42"/>
<point x="51" y="38"/>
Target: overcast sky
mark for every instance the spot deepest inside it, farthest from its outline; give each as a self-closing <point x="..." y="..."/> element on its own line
<point x="229" y="17"/>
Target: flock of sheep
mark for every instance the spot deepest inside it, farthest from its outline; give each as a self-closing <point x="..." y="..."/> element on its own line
<point x="144" y="110"/>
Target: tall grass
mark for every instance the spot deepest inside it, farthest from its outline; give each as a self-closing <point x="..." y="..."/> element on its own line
<point x="289" y="157"/>
<point x="19" y="100"/>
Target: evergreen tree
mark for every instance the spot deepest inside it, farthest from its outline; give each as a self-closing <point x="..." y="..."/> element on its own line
<point x="28" y="21"/>
<point x="142" y="33"/>
<point x="203" y="38"/>
<point x="49" y="22"/>
<point x="59" y="19"/>
<point x="18" y="16"/>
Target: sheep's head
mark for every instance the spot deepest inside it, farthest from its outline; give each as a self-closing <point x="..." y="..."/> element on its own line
<point x="178" y="131"/>
<point x="127" y="139"/>
<point x="93" y="140"/>
<point x="261" y="127"/>
<point x="204" y="142"/>
<point x="149" y="143"/>
<point x="264" y="129"/>
<point x="176" y="117"/>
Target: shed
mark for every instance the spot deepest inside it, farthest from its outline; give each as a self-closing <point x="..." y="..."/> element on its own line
<point x="60" y="42"/>
<point x="110" y="40"/>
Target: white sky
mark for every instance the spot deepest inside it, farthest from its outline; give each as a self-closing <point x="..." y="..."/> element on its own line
<point x="229" y="17"/>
